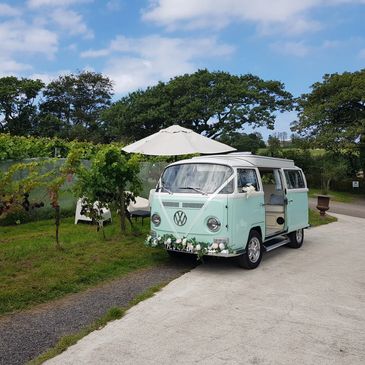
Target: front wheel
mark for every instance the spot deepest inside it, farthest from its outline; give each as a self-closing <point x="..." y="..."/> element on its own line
<point x="296" y="238"/>
<point x="253" y="255"/>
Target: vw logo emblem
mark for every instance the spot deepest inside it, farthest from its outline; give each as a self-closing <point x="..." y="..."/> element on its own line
<point x="180" y="218"/>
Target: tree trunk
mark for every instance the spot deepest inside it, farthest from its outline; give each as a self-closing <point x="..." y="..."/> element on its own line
<point x="362" y="153"/>
<point x="57" y="222"/>
<point x="122" y="214"/>
<point x="328" y="185"/>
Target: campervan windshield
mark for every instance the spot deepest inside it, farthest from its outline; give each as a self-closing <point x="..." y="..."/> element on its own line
<point x="198" y="178"/>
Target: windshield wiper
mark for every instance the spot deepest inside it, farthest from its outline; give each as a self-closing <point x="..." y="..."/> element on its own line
<point x="198" y="190"/>
<point x="165" y="188"/>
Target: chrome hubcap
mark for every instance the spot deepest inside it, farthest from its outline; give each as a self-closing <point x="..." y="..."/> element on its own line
<point x="254" y="249"/>
<point x="299" y="235"/>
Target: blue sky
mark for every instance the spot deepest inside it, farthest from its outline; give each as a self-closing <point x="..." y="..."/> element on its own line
<point x="137" y="43"/>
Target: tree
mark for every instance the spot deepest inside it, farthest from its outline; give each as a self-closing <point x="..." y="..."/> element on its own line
<point x="242" y="141"/>
<point x="72" y="105"/>
<point x="274" y="146"/>
<point x="55" y="177"/>
<point x="333" y="167"/>
<point x="210" y="103"/>
<point x="109" y="179"/>
<point x="332" y="115"/>
<point x="16" y="184"/>
<point x="17" y="104"/>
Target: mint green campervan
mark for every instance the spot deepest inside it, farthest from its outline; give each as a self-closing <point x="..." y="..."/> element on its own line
<point x="235" y="204"/>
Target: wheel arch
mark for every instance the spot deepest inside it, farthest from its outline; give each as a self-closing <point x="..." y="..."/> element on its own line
<point x="257" y="229"/>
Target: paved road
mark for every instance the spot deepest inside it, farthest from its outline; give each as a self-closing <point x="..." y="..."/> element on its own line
<point x="303" y="306"/>
<point x="356" y="209"/>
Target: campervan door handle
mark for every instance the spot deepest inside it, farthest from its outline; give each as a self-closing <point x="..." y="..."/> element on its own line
<point x="286" y="201"/>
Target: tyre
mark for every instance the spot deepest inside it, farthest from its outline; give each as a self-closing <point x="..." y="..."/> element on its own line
<point x="253" y="255"/>
<point x="296" y="238"/>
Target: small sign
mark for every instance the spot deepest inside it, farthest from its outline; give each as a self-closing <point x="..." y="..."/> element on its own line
<point x="355" y="184"/>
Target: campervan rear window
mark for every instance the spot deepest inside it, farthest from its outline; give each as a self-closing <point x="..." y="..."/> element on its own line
<point x="197" y="178"/>
<point x="294" y="179"/>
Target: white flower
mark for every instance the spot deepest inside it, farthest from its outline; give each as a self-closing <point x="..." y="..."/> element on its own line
<point x="148" y="238"/>
<point x="224" y="251"/>
<point x="168" y="241"/>
<point x="214" y="246"/>
<point x="154" y="243"/>
<point x="190" y="247"/>
<point x="222" y="246"/>
<point x="159" y="238"/>
<point x="198" y="247"/>
<point x="178" y="240"/>
<point x="184" y="241"/>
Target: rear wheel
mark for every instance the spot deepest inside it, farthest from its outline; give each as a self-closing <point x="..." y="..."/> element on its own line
<point x="253" y="255"/>
<point x="296" y="238"/>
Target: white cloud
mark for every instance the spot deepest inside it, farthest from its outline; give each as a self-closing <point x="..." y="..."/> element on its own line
<point x="9" y="66"/>
<point x="114" y="5"/>
<point x="291" y="15"/>
<point x="298" y="49"/>
<point x="138" y="62"/>
<point x="53" y="3"/>
<point x="20" y="37"/>
<point x="48" y="77"/>
<point x="71" y="21"/>
<point x="7" y="10"/>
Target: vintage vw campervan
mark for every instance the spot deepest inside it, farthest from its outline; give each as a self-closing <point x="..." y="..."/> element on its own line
<point x="235" y="204"/>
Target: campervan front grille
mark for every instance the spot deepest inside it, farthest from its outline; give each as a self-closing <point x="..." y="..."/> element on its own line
<point x="193" y="205"/>
<point x="171" y="204"/>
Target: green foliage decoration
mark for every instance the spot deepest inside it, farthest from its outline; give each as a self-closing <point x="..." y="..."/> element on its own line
<point x="190" y="245"/>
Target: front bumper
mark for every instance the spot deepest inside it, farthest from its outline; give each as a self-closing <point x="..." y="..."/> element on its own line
<point x="217" y="254"/>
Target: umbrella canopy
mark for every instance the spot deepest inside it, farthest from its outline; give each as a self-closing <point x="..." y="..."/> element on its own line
<point x="176" y="140"/>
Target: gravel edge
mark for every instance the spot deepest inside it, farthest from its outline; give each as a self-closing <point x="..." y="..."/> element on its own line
<point x="27" y="334"/>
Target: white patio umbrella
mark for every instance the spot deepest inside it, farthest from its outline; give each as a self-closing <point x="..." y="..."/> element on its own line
<point x="176" y="140"/>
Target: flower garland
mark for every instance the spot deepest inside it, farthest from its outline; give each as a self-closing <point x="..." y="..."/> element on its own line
<point x="190" y="245"/>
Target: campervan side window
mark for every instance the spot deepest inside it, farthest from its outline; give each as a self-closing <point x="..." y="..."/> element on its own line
<point x="294" y="179"/>
<point x="246" y="176"/>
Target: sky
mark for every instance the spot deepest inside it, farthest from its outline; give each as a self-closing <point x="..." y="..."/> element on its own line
<point x="138" y="43"/>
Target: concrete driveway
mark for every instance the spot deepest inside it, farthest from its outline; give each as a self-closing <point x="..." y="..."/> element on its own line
<point x="303" y="306"/>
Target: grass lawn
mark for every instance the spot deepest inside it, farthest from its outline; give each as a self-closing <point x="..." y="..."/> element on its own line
<point x="338" y="196"/>
<point x="33" y="271"/>
<point x="316" y="220"/>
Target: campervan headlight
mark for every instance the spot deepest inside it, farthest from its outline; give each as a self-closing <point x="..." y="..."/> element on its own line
<point x="213" y="224"/>
<point x="156" y="219"/>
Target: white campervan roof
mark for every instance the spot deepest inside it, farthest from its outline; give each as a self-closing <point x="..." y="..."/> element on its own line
<point x="245" y="159"/>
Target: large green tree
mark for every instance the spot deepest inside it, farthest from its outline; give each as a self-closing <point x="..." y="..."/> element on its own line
<point x="72" y="105"/>
<point x="332" y="115"/>
<point x="242" y="141"/>
<point x="18" y="110"/>
<point x="211" y="103"/>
